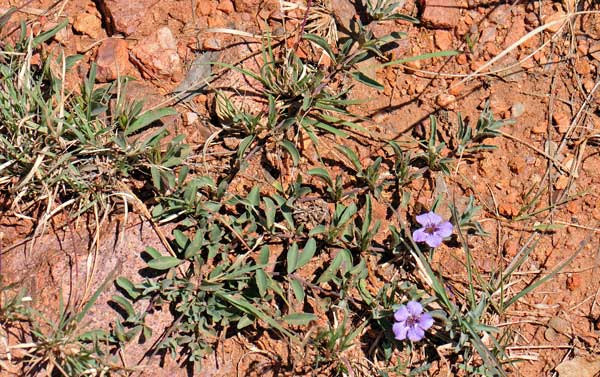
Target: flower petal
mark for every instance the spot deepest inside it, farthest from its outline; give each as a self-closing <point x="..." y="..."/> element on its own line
<point x="425" y="321"/>
<point x="401" y="315"/>
<point x="429" y="218"/>
<point x="415" y="333"/>
<point x="433" y="240"/>
<point x="414" y="308"/>
<point x="399" y="330"/>
<point x="444" y="229"/>
<point x="420" y="235"/>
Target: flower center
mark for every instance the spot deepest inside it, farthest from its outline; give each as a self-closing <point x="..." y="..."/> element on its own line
<point x="430" y="229"/>
<point x="412" y="320"/>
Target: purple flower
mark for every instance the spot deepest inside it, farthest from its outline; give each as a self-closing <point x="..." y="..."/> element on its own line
<point x="411" y="322"/>
<point x="434" y="229"/>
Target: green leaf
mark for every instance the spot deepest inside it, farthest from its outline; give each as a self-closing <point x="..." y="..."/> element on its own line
<point x="270" y="212"/>
<point x="298" y="290"/>
<point x="70" y="61"/>
<point x="153" y="252"/>
<point x="126" y="285"/>
<point x="330" y="129"/>
<point x="6" y="16"/>
<point x="307" y="253"/>
<point x="321" y="173"/>
<point x="253" y="197"/>
<point x="155" y="177"/>
<point x="346" y="214"/>
<point x="148" y="118"/>
<point x="261" y="282"/>
<point x="244" y="322"/>
<point x="49" y="34"/>
<point x="292" y="258"/>
<point x="244" y="144"/>
<point x="541" y="227"/>
<point x="332" y="270"/>
<point x="299" y="319"/>
<point x="164" y="263"/>
<point x="362" y="78"/>
<point x="351" y="156"/>
<point x="195" y="245"/>
<point x="291" y="149"/>
<point x="246" y="307"/>
<point x="422" y="57"/>
<point x="321" y="43"/>
<point x="125" y="305"/>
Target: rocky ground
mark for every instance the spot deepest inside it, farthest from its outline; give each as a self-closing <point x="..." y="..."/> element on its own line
<point x="544" y="175"/>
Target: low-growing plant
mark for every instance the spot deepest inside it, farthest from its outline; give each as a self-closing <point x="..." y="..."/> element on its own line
<point x="63" y="150"/>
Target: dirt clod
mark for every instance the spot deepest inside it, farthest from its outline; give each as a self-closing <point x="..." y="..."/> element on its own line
<point x="89" y="24"/>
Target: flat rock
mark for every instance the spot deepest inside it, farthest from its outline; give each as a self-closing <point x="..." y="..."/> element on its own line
<point x="440" y="14"/>
<point x="158" y="53"/>
<point x="112" y="59"/>
<point x="579" y="367"/>
<point x="126" y="15"/>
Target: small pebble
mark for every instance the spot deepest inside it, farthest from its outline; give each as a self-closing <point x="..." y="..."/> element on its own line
<point x="447" y="101"/>
<point x="517" y="110"/>
<point x="190" y="118"/>
<point x="562" y="121"/>
<point x="561" y="183"/>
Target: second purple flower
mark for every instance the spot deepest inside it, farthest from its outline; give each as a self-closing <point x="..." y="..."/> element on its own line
<point x="411" y="322"/>
<point x="434" y="229"/>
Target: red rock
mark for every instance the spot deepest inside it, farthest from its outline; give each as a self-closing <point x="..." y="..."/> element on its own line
<point x="440" y="14"/>
<point x="158" y="53"/>
<point x="112" y="59"/>
<point x="562" y="121"/>
<point x="250" y="6"/>
<point x="462" y="59"/>
<point x="447" y="101"/>
<point x="88" y="24"/>
<point x="582" y="47"/>
<point x="443" y="39"/>
<point x="127" y="14"/>
<point x="511" y="248"/>
<point x="204" y="8"/>
<point x="574" y="281"/>
<point x="515" y="32"/>
<point x="225" y="6"/>
<point x="583" y="67"/>
<point x="561" y="183"/>
<point x="211" y="44"/>
<point x="594" y="50"/>
<point x="588" y="85"/>
<point x="555" y="21"/>
<point x="508" y="210"/>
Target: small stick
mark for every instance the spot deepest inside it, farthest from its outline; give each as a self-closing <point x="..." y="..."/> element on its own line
<point x="303" y="25"/>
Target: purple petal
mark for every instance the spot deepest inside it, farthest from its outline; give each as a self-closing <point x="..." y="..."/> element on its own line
<point x="444" y="229"/>
<point x="415" y="333"/>
<point x="401" y="315"/>
<point x="414" y="308"/>
<point x="433" y="240"/>
<point x="425" y="321"/>
<point x="420" y="235"/>
<point x="429" y="218"/>
<point x="399" y="331"/>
